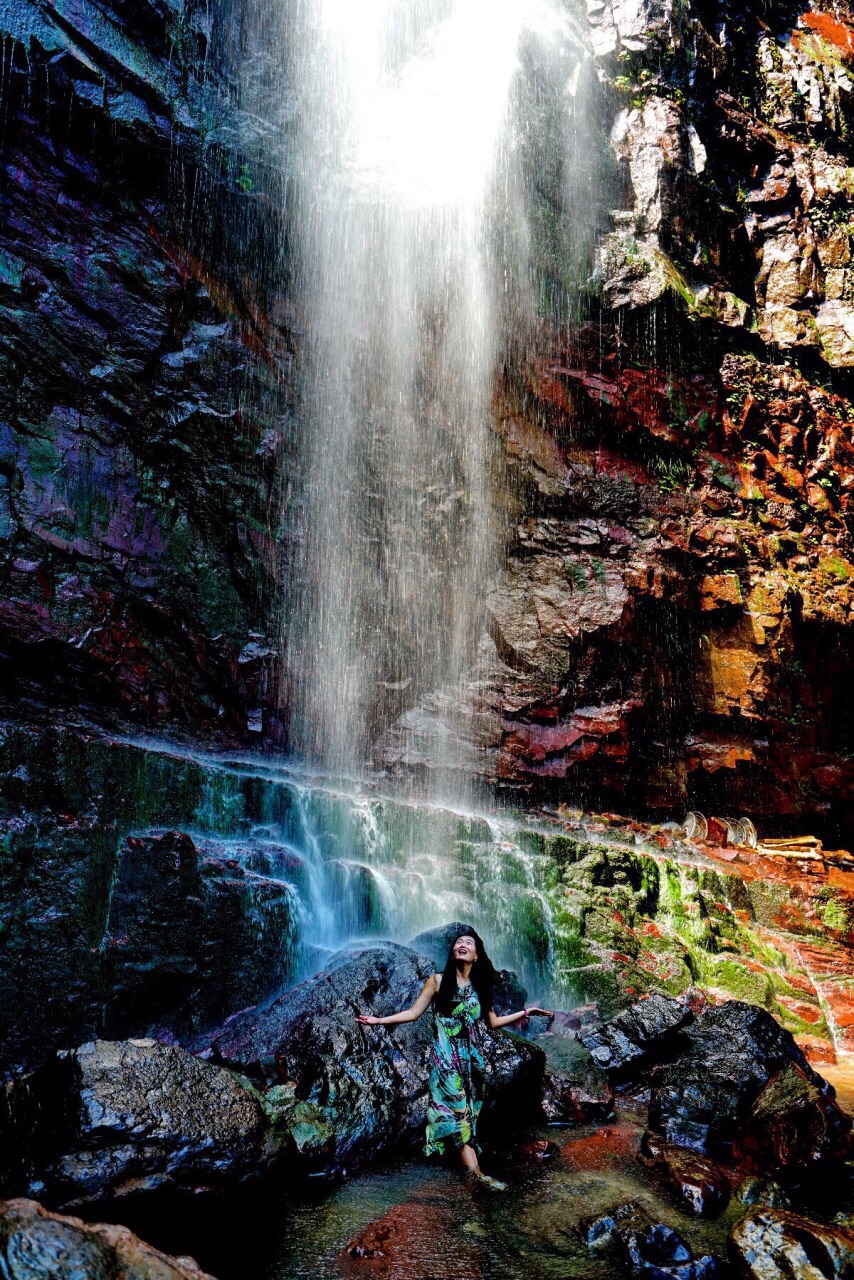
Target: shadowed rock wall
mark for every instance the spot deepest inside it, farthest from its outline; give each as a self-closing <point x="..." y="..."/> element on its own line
<point x="142" y="386"/>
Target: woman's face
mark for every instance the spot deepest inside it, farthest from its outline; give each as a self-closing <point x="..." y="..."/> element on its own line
<point x="465" y="949"/>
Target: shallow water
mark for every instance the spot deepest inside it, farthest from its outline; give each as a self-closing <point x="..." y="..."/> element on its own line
<point x="438" y="1226"/>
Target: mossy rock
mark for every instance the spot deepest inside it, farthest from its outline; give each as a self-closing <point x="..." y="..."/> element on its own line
<point x="739" y="980"/>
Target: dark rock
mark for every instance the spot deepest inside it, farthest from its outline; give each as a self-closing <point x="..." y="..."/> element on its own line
<point x="572" y="1101"/>
<point x="370" y="1082"/>
<point x="509" y="996"/>
<point x="649" y="1248"/>
<point x="575" y="1089"/>
<point x="38" y="1245"/>
<point x="762" y="1191"/>
<point x="742" y="1087"/>
<point x="192" y="935"/>
<point x="701" y="1186"/>
<point x="117" y="1117"/>
<point x="631" y="1040"/>
<point x="795" y="1122"/>
<point x="771" y="1244"/>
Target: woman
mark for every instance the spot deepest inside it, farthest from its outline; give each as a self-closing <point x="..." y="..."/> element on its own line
<point x="463" y="1000"/>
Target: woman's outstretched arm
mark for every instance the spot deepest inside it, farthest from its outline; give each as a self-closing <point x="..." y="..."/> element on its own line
<point x="506" y="1020"/>
<point x="431" y="986"/>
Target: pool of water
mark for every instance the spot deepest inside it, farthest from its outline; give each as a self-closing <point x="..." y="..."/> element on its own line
<point x="430" y="1224"/>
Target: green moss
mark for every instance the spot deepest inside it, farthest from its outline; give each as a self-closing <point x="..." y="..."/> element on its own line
<point x="729" y="974"/>
<point x="835" y="911"/>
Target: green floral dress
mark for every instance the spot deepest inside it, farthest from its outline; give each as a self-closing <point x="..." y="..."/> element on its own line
<point x="456" y="1076"/>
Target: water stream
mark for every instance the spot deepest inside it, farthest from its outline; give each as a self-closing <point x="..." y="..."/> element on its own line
<point x="427" y="132"/>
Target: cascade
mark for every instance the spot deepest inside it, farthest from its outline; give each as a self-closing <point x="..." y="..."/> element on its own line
<point x="426" y="131"/>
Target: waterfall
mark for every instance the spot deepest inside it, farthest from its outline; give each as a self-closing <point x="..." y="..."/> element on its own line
<point x="410" y="224"/>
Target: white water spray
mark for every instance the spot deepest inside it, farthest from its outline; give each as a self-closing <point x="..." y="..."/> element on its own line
<point x="410" y="233"/>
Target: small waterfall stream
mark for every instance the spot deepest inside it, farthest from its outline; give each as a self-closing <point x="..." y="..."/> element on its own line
<point x="425" y="134"/>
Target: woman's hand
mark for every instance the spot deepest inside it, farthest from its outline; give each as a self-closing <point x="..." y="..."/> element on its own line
<point x="368" y="1019"/>
<point x="534" y="1010"/>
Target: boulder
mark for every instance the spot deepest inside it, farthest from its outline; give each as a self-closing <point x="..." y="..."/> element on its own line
<point x="771" y="1244"/>
<point x="741" y="1087"/>
<point x="572" y="1101"/>
<point x="116" y="1117"/>
<point x="510" y="995"/>
<point x="700" y="1185"/>
<point x="575" y="1089"/>
<point x="193" y="933"/>
<point x="650" y="1248"/>
<point x="641" y="1033"/>
<point x="369" y="1082"/>
<point x="37" y="1245"/>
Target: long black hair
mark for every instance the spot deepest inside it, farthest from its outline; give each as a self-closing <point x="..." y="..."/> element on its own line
<point x="482" y="977"/>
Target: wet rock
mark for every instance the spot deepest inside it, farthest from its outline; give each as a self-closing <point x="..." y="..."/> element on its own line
<point x="510" y="995"/>
<point x="742" y="1087"/>
<point x="369" y="1082"/>
<point x="649" y="1248"/>
<point x="771" y="1244"/>
<point x="762" y="1191"/>
<point x="117" y="1117"/>
<point x="37" y="1244"/>
<point x="575" y="1087"/>
<point x="569" y="1100"/>
<point x="701" y="1186"/>
<point x="148" y="558"/>
<point x="630" y="25"/>
<point x="646" y="1030"/>
<point x="191" y="934"/>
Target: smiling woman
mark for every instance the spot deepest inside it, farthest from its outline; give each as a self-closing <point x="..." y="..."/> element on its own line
<point x="462" y="1002"/>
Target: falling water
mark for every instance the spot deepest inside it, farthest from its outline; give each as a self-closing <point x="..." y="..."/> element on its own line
<point x="410" y="226"/>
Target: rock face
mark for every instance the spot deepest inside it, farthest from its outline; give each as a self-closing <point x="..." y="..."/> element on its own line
<point x="370" y="1082"/>
<point x="134" y="474"/>
<point x="112" y="1118"/>
<point x="647" y="1247"/>
<point x="35" y="1243"/>
<point x="113" y="929"/>
<point x="770" y="1244"/>
<point x="679" y="475"/>
<point x="741" y="1088"/>
<point x="640" y="1034"/>
<point x="192" y="934"/>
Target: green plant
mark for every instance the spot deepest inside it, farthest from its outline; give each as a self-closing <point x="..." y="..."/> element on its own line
<point x="672" y="474"/>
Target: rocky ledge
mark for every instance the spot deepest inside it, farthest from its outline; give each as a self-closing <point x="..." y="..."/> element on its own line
<point x="35" y="1243"/>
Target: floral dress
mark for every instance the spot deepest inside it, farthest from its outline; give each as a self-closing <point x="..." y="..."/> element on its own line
<point x="456" y="1076"/>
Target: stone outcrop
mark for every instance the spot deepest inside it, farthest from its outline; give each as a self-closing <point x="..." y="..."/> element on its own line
<point x="741" y="1089"/>
<point x="113" y="929"/>
<point x="115" y="1117"/>
<point x="135" y="469"/>
<point x="632" y="1237"/>
<point x="125" y="1118"/>
<point x="638" y="1036"/>
<point x="35" y="1243"/>
<point x="770" y="1244"/>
